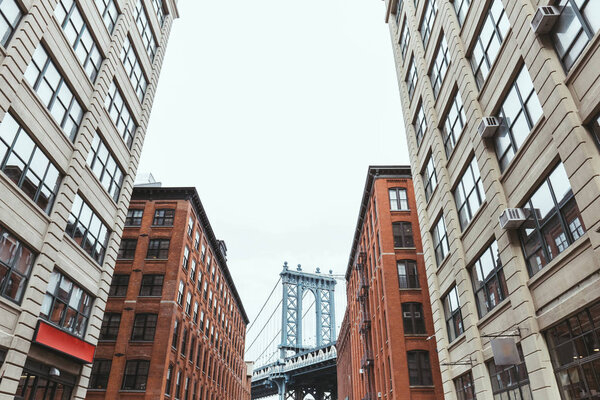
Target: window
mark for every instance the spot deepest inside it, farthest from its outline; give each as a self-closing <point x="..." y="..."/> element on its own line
<point x="453" y="124"/>
<point x="193" y="270"/>
<point x="488" y="280"/>
<point x="420" y="125"/>
<point x="180" y="293"/>
<point x="398" y="199"/>
<point x="110" y="326"/>
<point x="469" y="194"/>
<point x="520" y="110"/>
<point x="186" y="257"/>
<point x="197" y="241"/>
<point x="27" y="165"/>
<point x="143" y="26"/>
<point x="169" y="380"/>
<point x="163" y="217"/>
<point x="440" y="66"/>
<point x="203" y="252"/>
<point x="178" y="385"/>
<point x="489" y="41"/>
<point x="454" y="322"/>
<point x="158" y="249"/>
<point x="428" y="20"/>
<point x="52" y="90"/>
<point x="465" y="389"/>
<point x="134" y="69"/>
<point x="160" y="13"/>
<point x="195" y="312"/>
<point x="120" y="114"/>
<point x="87" y="229"/>
<point x="136" y="375"/>
<point x="440" y="240"/>
<point x="118" y="285"/>
<point x="108" y="11"/>
<point x="408" y="276"/>
<point x="190" y="226"/>
<point x="188" y="303"/>
<point x="175" y="339"/>
<point x="412" y="78"/>
<point x="429" y="178"/>
<point x="144" y="327"/>
<point x="404" y="39"/>
<point x="576" y="26"/>
<point x="100" y="373"/>
<point x="134" y="217"/>
<point x="151" y="285"/>
<point x="10" y="15"/>
<point x="16" y="261"/>
<point x="127" y="249"/>
<point x="187" y="388"/>
<point x="398" y="11"/>
<point x="79" y="37"/>
<point x="419" y="369"/>
<point x="105" y="168"/>
<point x="184" y="339"/>
<point x="555" y="221"/>
<point x="413" y="319"/>
<point x="66" y="305"/>
<point x="512" y="381"/>
<point x="461" y="7"/>
<point x="403" y="235"/>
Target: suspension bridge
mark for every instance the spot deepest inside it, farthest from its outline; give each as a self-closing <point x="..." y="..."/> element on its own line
<point x="292" y="339"/>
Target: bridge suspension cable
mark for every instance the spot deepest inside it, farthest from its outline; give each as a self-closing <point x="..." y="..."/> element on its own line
<point x="264" y="305"/>
<point x="265" y="325"/>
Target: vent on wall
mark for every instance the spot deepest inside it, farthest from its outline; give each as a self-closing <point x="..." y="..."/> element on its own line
<point x="488" y="126"/>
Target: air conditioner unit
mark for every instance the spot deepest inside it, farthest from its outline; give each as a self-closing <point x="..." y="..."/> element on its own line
<point x="544" y="19"/>
<point x="407" y="314"/>
<point x="488" y="126"/>
<point x="512" y="218"/>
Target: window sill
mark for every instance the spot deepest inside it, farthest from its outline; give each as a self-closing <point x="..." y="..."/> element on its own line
<point x="405" y="248"/>
<point x="161" y="226"/>
<point x="401" y="211"/>
<point x="475" y="217"/>
<point x="444" y="261"/>
<point x="156" y="259"/>
<point x="493" y="313"/>
<point x="457" y="341"/>
<point x="409" y="289"/>
<point x="141" y="342"/>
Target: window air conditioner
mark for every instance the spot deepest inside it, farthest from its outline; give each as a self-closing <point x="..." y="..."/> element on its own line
<point x="488" y="126"/>
<point x="407" y="314"/>
<point x="512" y="218"/>
<point x="544" y="19"/>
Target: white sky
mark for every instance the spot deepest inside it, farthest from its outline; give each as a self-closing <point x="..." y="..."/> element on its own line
<point x="273" y="110"/>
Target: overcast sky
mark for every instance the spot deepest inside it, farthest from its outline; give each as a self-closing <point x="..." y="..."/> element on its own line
<point x="273" y="110"/>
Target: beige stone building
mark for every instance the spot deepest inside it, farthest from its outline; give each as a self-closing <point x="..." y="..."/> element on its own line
<point x="77" y="82"/>
<point x="503" y="114"/>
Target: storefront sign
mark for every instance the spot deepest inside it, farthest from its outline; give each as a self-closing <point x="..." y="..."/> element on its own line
<point x="56" y="339"/>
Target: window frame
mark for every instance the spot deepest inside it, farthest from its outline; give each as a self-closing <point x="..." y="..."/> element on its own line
<point x="461" y="189"/>
<point x="118" y="282"/>
<point x="13" y="266"/>
<point x="12" y="26"/>
<point x="439" y="66"/>
<point x="413" y="324"/>
<point x="97" y="242"/>
<point x="110" y="27"/>
<point x="109" y="329"/>
<point x="455" y="117"/>
<point x="423" y="368"/>
<point x="400" y="231"/>
<point x="121" y="117"/>
<point x="162" y="253"/>
<point x="102" y="376"/>
<point x="458" y="8"/>
<point x="496" y="275"/>
<point x="398" y="200"/>
<point x="168" y="214"/>
<point x="152" y="285"/>
<point x="147" y="323"/>
<point x="412" y="78"/>
<point x="408" y="276"/>
<point x="453" y="316"/>
<point x="131" y="218"/>
<point x="464" y="386"/>
<point x="427" y="21"/>
<point x="140" y="365"/>
<point x="429" y="176"/>
<point x="126" y="251"/>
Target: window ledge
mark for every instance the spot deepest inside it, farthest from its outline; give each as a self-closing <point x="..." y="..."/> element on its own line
<point x="410" y="289"/>
<point x="471" y="223"/>
<point x="401" y="211"/>
<point x="405" y="248"/>
<point x="494" y="312"/>
<point x="583" y="58"/>
<point x="161" y="226"/>
<point x="457" y="341"/>
<point x="444" y="261"/>
<point x="156" y="259"/>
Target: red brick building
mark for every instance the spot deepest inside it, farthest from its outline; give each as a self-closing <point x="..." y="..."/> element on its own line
<point x="344" y="361"/>
<point x="174" y="325"/>
<point x="389" y="314"/>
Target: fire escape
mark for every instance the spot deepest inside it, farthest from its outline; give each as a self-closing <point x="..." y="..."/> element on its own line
<point x="366" y="362"/>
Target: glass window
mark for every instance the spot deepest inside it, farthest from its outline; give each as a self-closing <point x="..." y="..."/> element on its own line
<point x="108" y="11"/>
<point x="453" y="124"/>
<point x="110" y="326"/>
<point x="429" y="178"/>
<point x="119" y="285"/>
<point x="105" y="168"/>
<point x="120" y="114"/>
<point x="136" y="375"/>
<point x="420" y="125"/>
<point x="462" y="8"/>
<point x="577" y="25"/>
<point x="428" y="20"/>
<point x="163" y="217"/>
<point x="144" y="327"/>
<point x="178" y="386"/>
<point x="511" y="381"/>
<point x="403" y="234"/>
<point x="16" y="262"/>
<point x="66" y="305"/>
<point x="160" y="13"/>
<point x="127" y="249"/>
<point x="27" y="165"/>
<point x="188" y="303"/>
<point x="454" y="321"/>
<point x="411" y="78"/>
<point x="408" y="276"/>
<point x="158" y="248"/>
<point x="134" y="217"/>
<point x="193" y="271"/>
<point x="10" y="15"/>
<point x="169" y="380"/>
<point x="134" y="69"/>
<point x="79" y="37"/>
<point x="186" y="258"/>
<point x="440" y="66"/>
<point x="175" y="339"/>
<point x="404" y="39"/>
<point x="87" y="229"/>
<point x="151" y="285"/>
<point x="469" y="194"/>
<point x="52" y="90"/>
<point x="180" y="292"/>
<point x="489" y="41"/>
<point x="184" y="339"/>
<point x="398" y="199"/>
<point x="413" y="318"/>
<point x="520" y="110"/>
<point x="398" y="11"/>
<point x="100" y="373"/>
<point x="419" y="368"/>
<point x="465" y="389"/>
<point x="143" y="26"/>
<point x="197" y="240"/>
<point x="190" y="228"/>
<point x="554" y="221"/>
<point x="195" y="312"/>
<point x="488" y="280"/>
